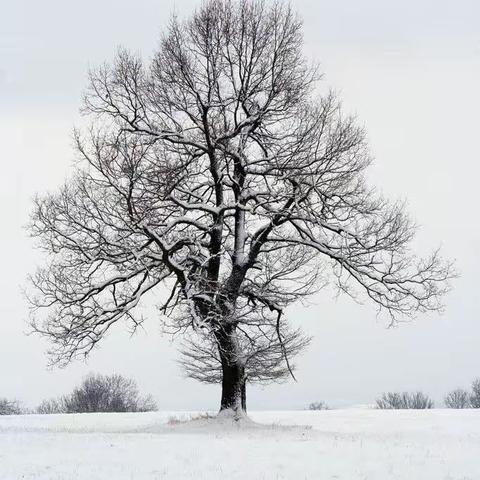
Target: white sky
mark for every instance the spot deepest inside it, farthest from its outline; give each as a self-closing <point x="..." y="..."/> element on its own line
<point x="411" y="72"/>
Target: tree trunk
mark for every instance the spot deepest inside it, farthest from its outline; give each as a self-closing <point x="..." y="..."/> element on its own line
<point x="244" y="395"/>
<point x="234" y="395"/>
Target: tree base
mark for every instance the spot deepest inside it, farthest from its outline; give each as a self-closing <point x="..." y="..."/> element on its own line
<point x="237" y="415"/>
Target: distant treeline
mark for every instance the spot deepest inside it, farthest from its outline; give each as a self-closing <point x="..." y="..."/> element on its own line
<point x="458" y="398"/>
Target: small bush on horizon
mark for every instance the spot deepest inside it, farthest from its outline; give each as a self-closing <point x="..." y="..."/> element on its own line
<point x="52" y="405"/>
<point x="9" y="407"/>
<point x="404" y="400"/>
<point x="461" y="398"/>
<point x="475" y="395"/>
<point x="318" y="406"/>
<point x="458" y="398"/>
<point x="101" y="393"/>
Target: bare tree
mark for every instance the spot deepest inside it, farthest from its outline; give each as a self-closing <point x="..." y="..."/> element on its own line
<point x="404" y="400"/>
<point x="475" y="395"/>
<point x="217" y="171"/>
<point x="458" y="398"/>
<point x="9" y="407"/>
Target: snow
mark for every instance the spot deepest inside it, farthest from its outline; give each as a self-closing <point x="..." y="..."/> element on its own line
<point x="356" y="444"/>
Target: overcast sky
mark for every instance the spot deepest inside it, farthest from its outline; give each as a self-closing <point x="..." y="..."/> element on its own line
<point x="410" y="70"/>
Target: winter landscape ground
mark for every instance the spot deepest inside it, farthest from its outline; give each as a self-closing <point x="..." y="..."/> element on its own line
<point x="353" y="444"/>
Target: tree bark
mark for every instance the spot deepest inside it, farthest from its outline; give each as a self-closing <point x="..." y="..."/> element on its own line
<point x="244" y="395"/>
<point x="234" y="396"/>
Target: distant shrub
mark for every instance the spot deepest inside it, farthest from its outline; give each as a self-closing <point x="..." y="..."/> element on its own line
<point x="101" y="393"/>
<point x="9" y="407"/>
<point x="404" y="400"/>
<point x="475" y="395"/>
<point x="53" y="405"/>
<point x="458" y="398"/>
<point x="318" y="406"/>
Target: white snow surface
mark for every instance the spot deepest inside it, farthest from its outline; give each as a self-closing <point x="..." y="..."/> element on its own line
<point x="351" y="444"/>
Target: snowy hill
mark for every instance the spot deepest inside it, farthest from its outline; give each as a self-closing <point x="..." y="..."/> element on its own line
<point x="356" y="444"/>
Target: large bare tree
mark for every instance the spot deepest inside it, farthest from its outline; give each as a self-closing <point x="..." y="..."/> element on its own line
<point x="218" y="172"/>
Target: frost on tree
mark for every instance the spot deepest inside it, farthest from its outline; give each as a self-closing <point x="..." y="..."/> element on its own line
<point x="216" y="170"/>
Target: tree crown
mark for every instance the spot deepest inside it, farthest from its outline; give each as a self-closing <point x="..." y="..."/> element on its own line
<point x="218" y="170"/>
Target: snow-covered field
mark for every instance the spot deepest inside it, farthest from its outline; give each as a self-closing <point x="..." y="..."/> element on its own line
<point x="338" y="444"/>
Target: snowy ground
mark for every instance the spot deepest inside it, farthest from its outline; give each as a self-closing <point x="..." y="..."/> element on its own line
<point x="338" y="444"/>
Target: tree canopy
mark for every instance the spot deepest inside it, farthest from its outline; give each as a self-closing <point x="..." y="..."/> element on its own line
<point x="219" y="171"/>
